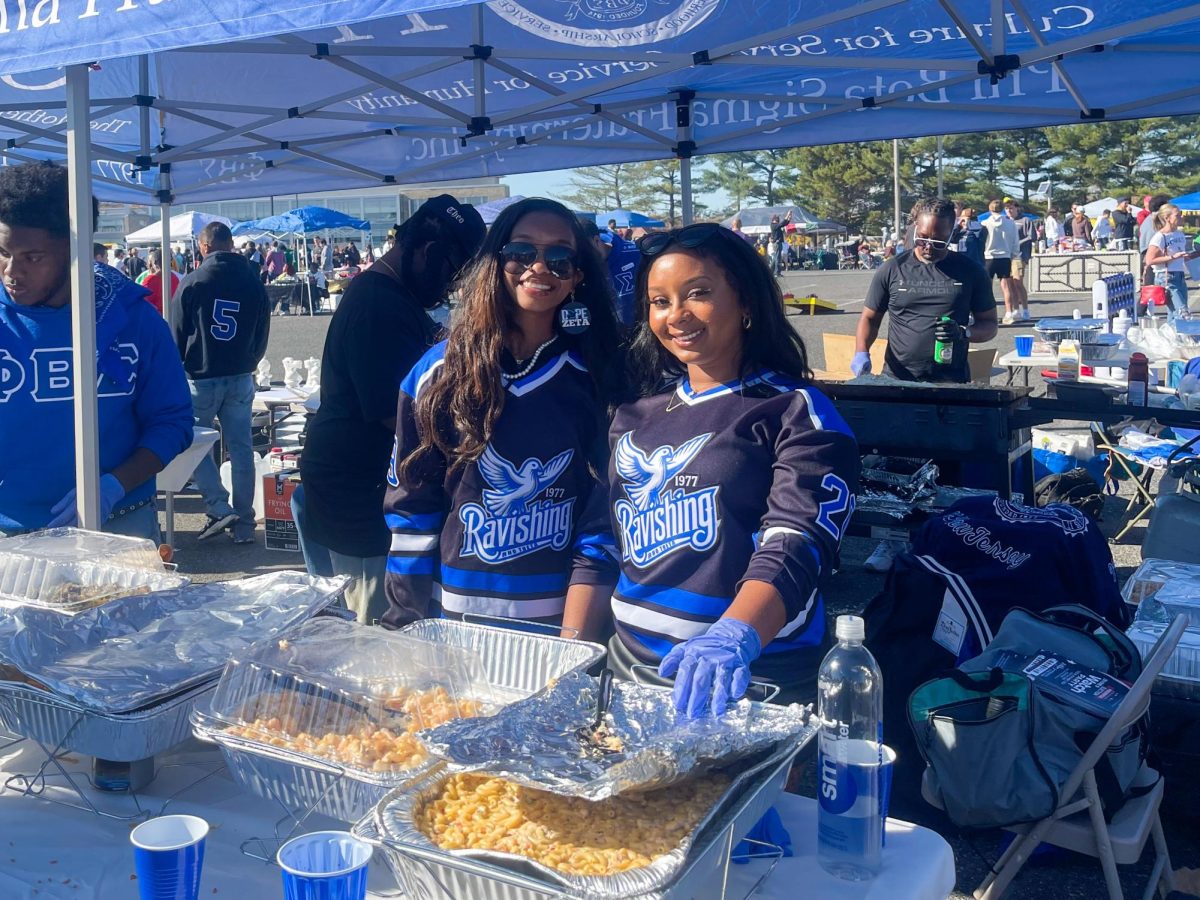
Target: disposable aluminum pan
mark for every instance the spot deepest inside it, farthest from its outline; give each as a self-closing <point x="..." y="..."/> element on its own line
<point x="298" y="782"/>
<point x="516" y="664"/>
<point x="123" y="737"/>
<point x="431" y="873"/>
<point x="518" y="661"/>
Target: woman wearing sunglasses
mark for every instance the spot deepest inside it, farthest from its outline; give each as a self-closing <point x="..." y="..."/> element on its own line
<point x="729" y="487"/>
<point x="500" y="429"/>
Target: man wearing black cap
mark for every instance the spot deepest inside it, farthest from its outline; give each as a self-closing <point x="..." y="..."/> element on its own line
<point x="380" y="330"/>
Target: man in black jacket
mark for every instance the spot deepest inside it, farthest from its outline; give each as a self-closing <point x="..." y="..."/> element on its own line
<point x="379" y="332"/>
<point x="1123" y="225"/>
<point x="221" y="321"/>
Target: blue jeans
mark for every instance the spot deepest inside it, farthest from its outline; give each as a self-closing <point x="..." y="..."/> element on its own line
<point x="228" y="399"/>
<point x="1177" y="290"/>
<point x="316" y="556"/>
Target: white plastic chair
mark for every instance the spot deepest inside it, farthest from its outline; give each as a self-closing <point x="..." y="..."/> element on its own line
<point x="1078" y="823"/>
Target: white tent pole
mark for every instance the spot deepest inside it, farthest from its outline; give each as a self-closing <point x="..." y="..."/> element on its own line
<point x="164" y="212"/>
<point x="83" y="299"/>
<point x="940" y="163"/>
<point x="685" y="190"/>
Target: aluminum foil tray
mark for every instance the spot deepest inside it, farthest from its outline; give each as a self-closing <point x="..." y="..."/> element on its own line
<point x="134" y="652"/>
<point x="431" y="873"/>
<point x="514" y="665"/>
<point x="535" y="742"/>
<point x="31" y="713"/>
<point x="297" y="782"/>
<point x="518" y="661"/>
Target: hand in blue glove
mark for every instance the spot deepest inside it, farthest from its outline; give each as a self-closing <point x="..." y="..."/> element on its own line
<point x="65" y="512"/>
<point x="860" y="363"/>
<point x="712" y="668"/>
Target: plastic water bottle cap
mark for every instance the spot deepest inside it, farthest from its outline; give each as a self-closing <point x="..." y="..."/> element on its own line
<point x="850" y="628"/>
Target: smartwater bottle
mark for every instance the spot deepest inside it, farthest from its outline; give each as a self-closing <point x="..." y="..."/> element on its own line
<point x="850" y="757"/>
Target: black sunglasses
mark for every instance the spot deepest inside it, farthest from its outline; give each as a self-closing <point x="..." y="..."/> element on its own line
<point x="689" y="236"/>
<point x="560" y="261"/>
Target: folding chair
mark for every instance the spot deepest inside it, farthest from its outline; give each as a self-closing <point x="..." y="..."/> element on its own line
<point x="1121" y="460"/>
<point x="1078" y="823"/>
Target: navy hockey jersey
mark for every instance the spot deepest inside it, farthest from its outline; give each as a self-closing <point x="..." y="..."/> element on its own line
<point x="497" y="536"/>
<point x="752" y="480"/>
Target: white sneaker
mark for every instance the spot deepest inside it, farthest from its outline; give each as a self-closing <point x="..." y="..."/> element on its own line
<point x="885" y="554"/>
<point x="1008" y="319"/>
<point x="1025" y="317"/>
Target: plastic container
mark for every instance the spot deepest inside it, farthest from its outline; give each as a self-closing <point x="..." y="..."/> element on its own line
<point x="353" y="697"/>
<point x="1138" y="389"/>
<point x="850" y="757"/>
<point x="68" y="570"/>
<point x="261" y="467"/>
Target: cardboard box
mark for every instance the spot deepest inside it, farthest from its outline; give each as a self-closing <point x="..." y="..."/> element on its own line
<point x="278" y="523"/>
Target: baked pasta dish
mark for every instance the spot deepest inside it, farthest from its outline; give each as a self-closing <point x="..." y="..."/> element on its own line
<point x="569" y="834"/>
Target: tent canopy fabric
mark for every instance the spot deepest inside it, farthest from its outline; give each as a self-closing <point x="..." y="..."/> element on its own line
<point x="303" y="220"/>
<point x="1096" y="208"/>
<point x="489" y="211"/>
<point x="1188" y="202"/>
<point x="626" y="219"/>
<point x="184" y="227"/>
<point x="757" y="220"/>
<point x="356" y="93"/>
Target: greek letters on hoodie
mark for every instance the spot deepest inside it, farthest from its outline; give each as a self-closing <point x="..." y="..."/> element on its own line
<point x="143" y="396"/>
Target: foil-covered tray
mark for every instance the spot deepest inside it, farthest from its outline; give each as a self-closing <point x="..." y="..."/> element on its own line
<point x="55" y="723"/>
<point x="432" y="873"/>
<point x="134" y="652"/>
<point x="514" y="665"/>
<point x="535" y="742"/>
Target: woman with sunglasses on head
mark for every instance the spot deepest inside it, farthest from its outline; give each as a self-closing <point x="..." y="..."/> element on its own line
<point x="730" y="484"/>
<point x="499" y="430"/>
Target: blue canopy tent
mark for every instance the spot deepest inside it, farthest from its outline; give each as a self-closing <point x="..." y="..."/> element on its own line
<point x="370" y="92"/>
<point x="303" y="220"/>
<point x="626" y="219"/>
<point x="1188" y="203"/>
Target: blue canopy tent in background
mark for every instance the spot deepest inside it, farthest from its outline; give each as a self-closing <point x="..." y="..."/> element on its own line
<point x="303" y="220"/>
<point x="354" y="93"/>
<point x="1188" y="203"/>
<point x="626" y="219"/>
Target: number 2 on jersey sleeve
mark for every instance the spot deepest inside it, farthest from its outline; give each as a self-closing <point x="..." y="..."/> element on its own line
<point x="833" y="514"/>
<point x="225" y="325"/>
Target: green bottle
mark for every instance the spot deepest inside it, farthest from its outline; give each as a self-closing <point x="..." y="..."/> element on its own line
<point x="943" y="352"/>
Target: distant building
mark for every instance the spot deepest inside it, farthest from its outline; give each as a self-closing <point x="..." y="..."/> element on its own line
<point x="382" y="206"/>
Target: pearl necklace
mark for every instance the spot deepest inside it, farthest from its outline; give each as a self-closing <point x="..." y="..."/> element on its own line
<point x="517" y="376"/>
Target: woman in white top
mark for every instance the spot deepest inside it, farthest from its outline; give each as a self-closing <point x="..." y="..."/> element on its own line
<point x="1166" y="253"/>
<point x="1053" y="231"/>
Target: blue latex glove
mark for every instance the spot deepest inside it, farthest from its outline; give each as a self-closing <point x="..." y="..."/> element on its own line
<point x="712" y="668"/>
<point x="860" y="363"/>
<point x="767" y="830"/>
<point x="65" y="513"/>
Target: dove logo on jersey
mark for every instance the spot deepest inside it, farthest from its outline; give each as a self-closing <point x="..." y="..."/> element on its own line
<point x="511" y="521"/>
<point x="660" y="518"/>
<point x="1071" y="520"/>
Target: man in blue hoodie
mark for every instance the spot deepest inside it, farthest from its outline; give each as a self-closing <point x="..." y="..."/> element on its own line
<point x="145" y="412"/>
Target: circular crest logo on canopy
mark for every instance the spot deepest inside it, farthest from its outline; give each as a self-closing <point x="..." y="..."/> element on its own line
<point x="606" y="23"/>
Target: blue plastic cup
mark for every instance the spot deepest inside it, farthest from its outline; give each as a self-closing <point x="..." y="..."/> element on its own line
<point x="325" y="865"/>
<point x="168" y="853"/>
<point x="1024" y="344"/>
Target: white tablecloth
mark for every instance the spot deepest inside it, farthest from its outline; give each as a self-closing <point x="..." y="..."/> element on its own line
<point x="50" y="851"/>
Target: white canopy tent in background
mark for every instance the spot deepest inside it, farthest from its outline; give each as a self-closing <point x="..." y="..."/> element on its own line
<point x="1096" y="208"/>
<point x="182" y="227"/>
<point x="352" y="93"/>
